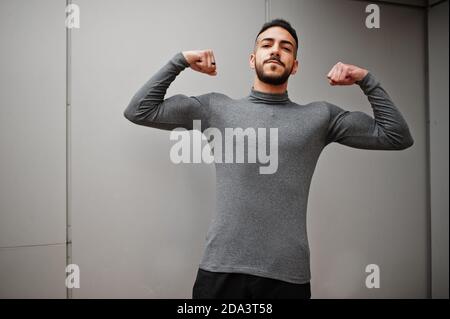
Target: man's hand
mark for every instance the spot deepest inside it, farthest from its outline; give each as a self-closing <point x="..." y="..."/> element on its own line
<point x="201" y="61"/>
<point x="345" y="74"/>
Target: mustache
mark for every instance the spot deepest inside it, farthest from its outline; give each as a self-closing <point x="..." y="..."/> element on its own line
<point x="274" y="59"/>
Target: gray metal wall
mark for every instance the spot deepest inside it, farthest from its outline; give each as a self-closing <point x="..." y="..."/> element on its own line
<point x="438" y="117"/>
<point x="32" y="149"/>
<point x="140" y="221"/>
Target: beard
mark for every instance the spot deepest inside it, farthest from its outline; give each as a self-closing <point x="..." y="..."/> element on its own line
<point x="272" y="79"/>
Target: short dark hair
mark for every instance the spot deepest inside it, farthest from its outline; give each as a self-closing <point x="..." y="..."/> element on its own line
<point x="283" y="24"/>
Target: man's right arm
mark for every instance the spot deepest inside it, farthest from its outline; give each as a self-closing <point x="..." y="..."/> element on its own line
<point x="149" y="108"/>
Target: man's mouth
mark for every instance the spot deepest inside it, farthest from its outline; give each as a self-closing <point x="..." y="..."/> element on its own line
<point x="274" y="61"/>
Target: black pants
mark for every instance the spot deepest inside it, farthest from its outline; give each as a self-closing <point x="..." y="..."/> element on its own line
<point x="220" y="285"/>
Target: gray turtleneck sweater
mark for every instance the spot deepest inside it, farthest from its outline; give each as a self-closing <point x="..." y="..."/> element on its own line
<point x="259" y="225"/>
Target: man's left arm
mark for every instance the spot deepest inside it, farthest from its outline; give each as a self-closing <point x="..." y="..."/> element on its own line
<point x="388" y="129"/>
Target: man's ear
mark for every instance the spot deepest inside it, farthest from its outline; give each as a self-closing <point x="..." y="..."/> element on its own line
<point x="295" y="68"/>
<point x="252" y="61"/>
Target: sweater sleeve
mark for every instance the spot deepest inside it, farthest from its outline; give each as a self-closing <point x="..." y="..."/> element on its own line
<point x="149" y="108"/>
<point x="388" y="129"/>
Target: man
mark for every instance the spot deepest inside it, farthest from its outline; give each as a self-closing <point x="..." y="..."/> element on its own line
<point x="257" y="245"/>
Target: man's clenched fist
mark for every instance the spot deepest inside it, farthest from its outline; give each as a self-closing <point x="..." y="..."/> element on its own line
<point x="345" y="74"/>
<point x="201" y="60"/>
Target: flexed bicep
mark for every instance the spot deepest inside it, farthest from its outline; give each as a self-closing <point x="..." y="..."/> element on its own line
<point x="149" y="107"/>
<point x="359" y="130"/>
<point x="176" y="111"/>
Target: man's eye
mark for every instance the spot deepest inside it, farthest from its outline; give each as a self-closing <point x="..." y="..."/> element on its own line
<point x="289" y="50"/>
<point x="265" y="45"/>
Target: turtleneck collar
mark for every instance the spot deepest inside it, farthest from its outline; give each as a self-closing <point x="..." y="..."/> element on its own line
<point x="268" y="98"/>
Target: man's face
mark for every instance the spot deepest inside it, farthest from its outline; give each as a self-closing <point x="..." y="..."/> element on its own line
<point x="274" y="44"/>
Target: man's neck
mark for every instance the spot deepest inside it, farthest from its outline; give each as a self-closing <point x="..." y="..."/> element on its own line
<point x="269" y="88"/>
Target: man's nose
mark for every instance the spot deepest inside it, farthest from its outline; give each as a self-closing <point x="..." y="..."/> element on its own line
<point x="275" y="50"/>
